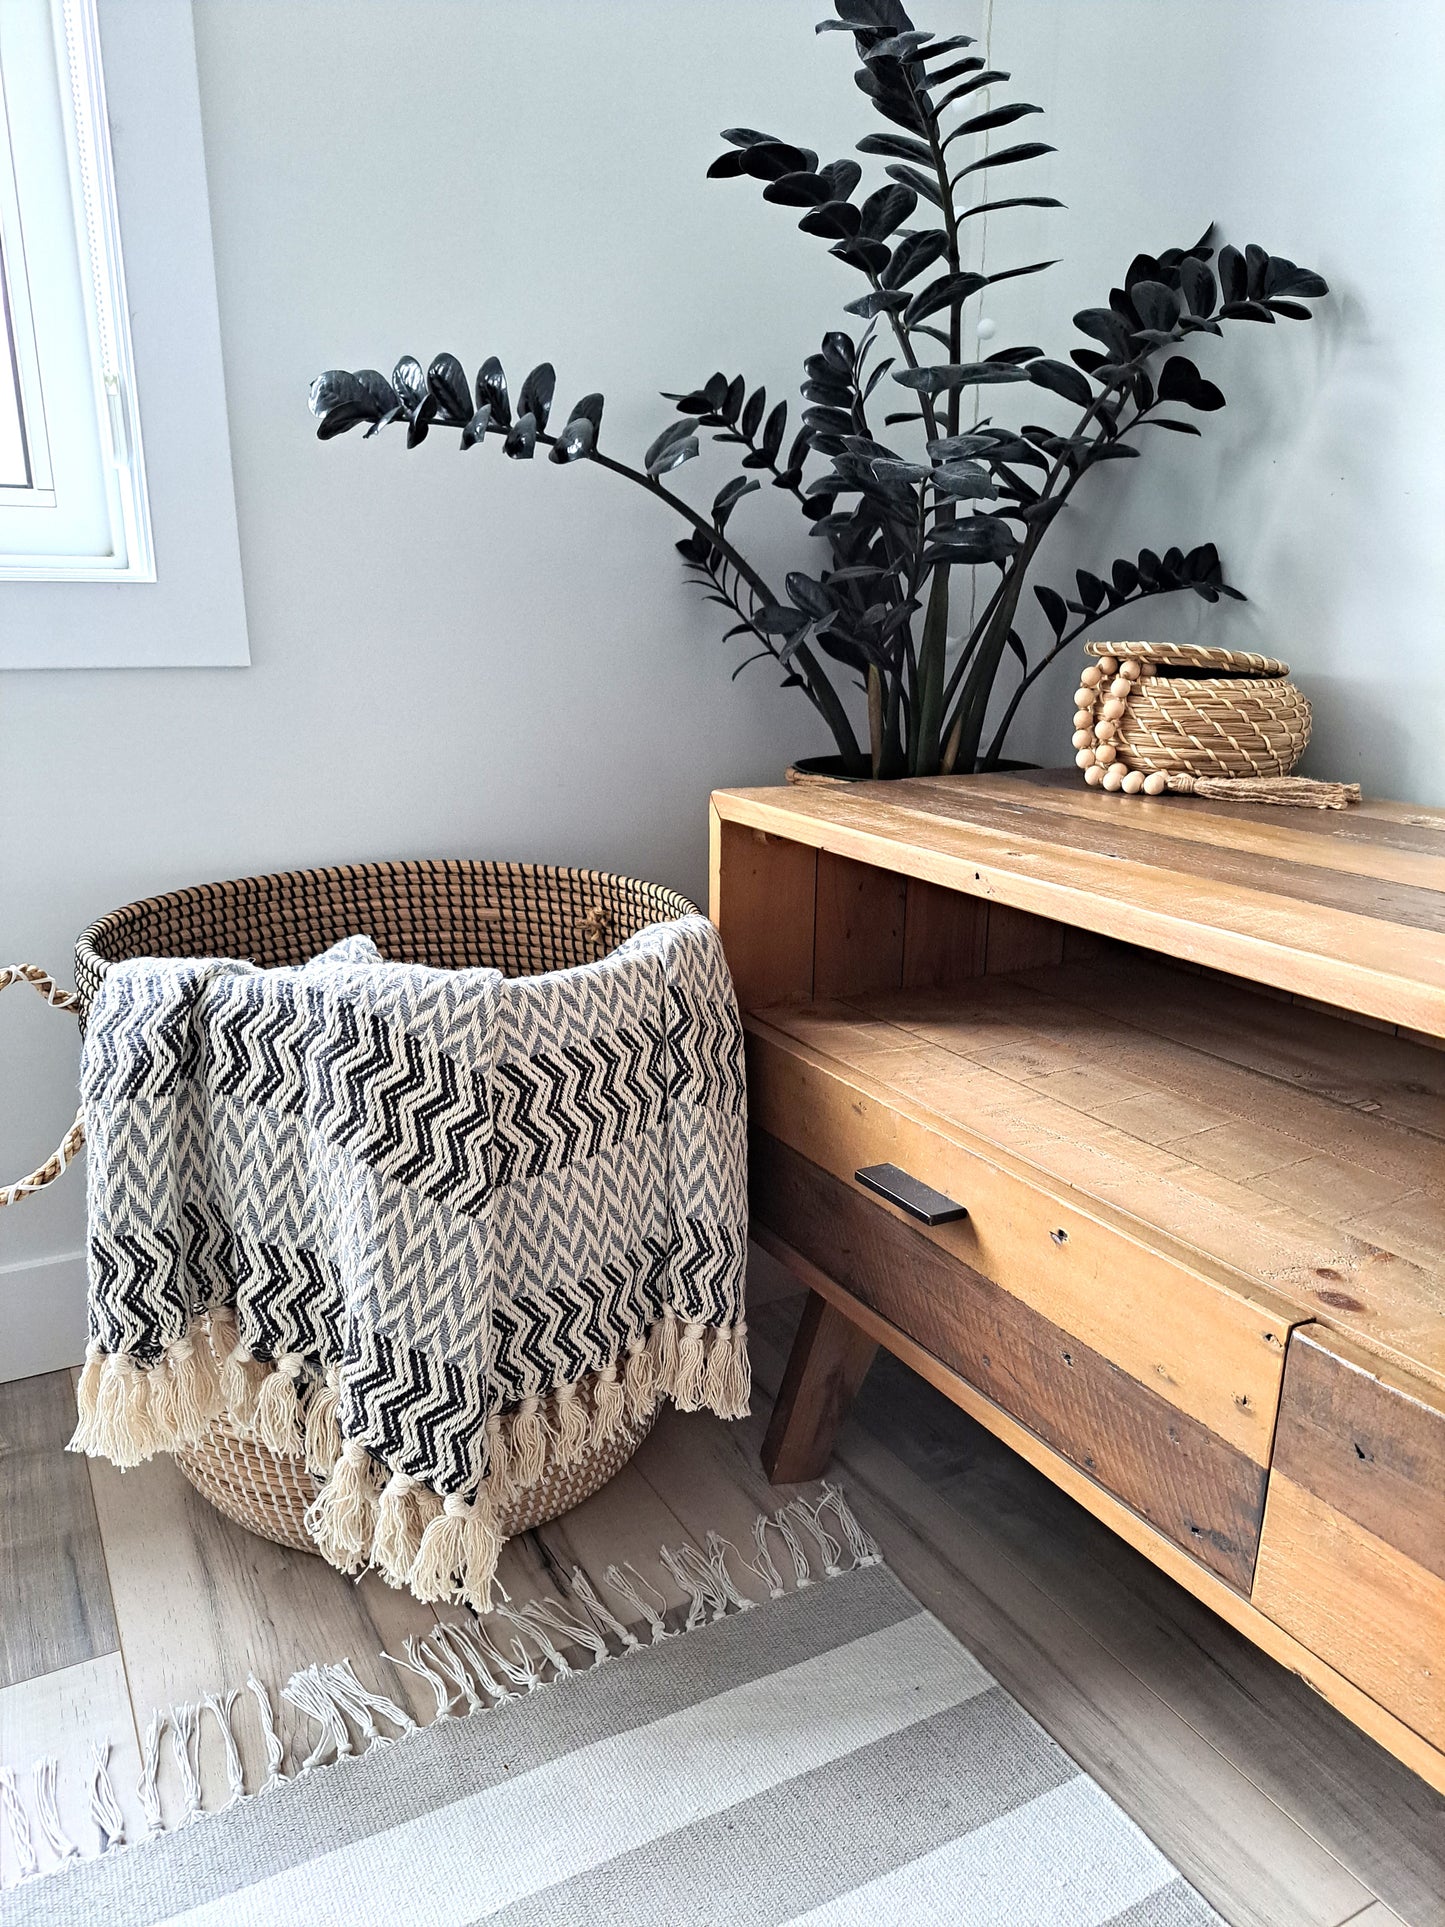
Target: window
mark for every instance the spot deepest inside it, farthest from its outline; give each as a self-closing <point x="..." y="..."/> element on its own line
<point x="73" y="503"/>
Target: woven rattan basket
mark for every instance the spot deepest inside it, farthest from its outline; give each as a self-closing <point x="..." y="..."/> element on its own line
<point x="1156" y="708"/>
<point x="268" y="1493"/>
<point x="521" y="919"/>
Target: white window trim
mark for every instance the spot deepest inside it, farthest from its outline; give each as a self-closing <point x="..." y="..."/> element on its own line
<point x="193" y="614"/>
<point x="93" y="199"/>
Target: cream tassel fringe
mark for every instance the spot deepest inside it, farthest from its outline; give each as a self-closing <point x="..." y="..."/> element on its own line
<point x="639" y="1380"/>
<point x="528" y="1443"/>
<point x="241" y="1375"/>
<point x="406" y="1508"/>
<point x="185" y="1391"/>
<point x="323" y="1427"/>
<point x="689" y="1367"/>
<point x="573" y="1432"/>
<point x="1304" y="792"/>
<point x="728" y="1381"/>
<point x="342" y="1518"/>
<point x="277" y="1422"/>
<point x="458" y="1554"/>
<point x="115" y="1417"/>
<point x="609" y="1405"/>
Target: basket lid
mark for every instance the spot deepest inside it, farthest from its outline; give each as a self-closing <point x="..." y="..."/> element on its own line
<point x="1192" y="655"/>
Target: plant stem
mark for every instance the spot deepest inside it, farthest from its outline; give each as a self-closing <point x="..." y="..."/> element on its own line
<point x="814" y="677"/>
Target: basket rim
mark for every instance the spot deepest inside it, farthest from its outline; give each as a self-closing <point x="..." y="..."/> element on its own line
<point x="87" y="943"/>
<point x="1192" y="655"/>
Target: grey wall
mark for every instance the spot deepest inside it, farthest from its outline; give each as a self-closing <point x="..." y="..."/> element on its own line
<point x="459" y="655"/>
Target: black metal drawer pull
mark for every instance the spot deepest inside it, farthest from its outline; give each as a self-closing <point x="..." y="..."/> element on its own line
<point x="919" y="1200"/>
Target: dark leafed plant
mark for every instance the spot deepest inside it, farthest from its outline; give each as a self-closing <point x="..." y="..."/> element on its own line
<point x="895" y="524"/>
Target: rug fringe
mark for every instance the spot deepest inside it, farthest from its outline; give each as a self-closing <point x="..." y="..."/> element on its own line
<point x="461" y="1662"/>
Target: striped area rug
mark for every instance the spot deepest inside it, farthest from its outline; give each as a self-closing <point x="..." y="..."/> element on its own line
<point x="834" y="1756"/>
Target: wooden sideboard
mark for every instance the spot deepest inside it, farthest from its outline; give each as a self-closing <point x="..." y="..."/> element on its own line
<point x="1178" y="1069"/>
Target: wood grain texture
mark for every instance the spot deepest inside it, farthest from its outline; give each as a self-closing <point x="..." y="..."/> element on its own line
<point x="1333" y="1686"/>
<point x="1378" y="1818"/>
<point x="830" y="1360"/>
<point x="1251" y="1861"/>
<point x="1200" y="1337"/>
<point x="1361" y="942"/>
<point x="945" y="936"/>
<point x="1372" y="1447"/>
<point x="1186" y="1481"/>
<point x="60" y="1716"/>
<point x="762" y="892"/>
<point x="858" y="928"/>
<point x="1357" y="1602"/>
<point x="1018" y="941"/>
<point x="55" y="1608"/>
<point x="1293" y="1149"/>
<point x="201" y="1603"/>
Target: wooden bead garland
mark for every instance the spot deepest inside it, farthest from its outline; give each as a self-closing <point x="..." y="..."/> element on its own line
<point x="1225" y="724"/>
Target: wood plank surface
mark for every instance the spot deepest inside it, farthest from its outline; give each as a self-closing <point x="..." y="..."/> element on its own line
<point x="945" y="935"/>
<point x="763" y="890"/>
<point x="830" y="1360"/>
<point x="1371" y="1446"/>
<point x="1361" y="942"/>
<point x="1343" y="1693"/>
<point x="1291" y="1148"/>
<point x="1351" y="840"/>
<point x="1380" y="1819"/>
<point x="1357" y="1601"/>
<point x="55" y="1608"/>
<point x="60" y="1716"/>
<point x="857" y="928"/>
<point x="1204" y="1338"/>
<point x="1183" y="1478"/>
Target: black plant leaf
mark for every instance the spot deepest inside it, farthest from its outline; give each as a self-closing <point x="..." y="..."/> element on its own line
<point x="1055" y="610"/>
<point x="446" y="380"/>
<point x="521" y="438"/>
<point x="887" y="209"/>
<point x="576" y="440"/>
<point x="1007" y="157"/>
<point x="1181" y="381"/>
<point x="492" y="387"/>
<point x="897" y="147"/>
<point x="799" y="190"/>
<point x="1062" y="380"/>
<point x="537" y="391"/>
<point x="914" y="253"/>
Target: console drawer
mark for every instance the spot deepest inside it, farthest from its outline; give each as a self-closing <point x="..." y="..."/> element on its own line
<point x="1184" y="1479"/>
<point x="1207" y="1341"/>
<point x="1352" y="1558"/>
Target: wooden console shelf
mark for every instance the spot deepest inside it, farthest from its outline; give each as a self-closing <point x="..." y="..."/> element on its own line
<point x="1182" y="1066"/>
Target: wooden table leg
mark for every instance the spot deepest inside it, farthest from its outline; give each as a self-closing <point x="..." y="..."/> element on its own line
<point x="828" y="1362"/>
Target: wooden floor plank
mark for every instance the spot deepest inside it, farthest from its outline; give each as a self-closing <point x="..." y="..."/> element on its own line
<point x="1379" y="1819"/>
<point x="60" y="1716"/>
<point x="201" y="1603"/>
<point x="50" y="1550"/>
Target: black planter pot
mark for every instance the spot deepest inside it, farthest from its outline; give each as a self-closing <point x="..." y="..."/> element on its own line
<point x="829" y="769"/>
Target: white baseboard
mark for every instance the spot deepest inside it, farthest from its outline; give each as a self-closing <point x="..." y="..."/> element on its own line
<point x="42" y="1315"/>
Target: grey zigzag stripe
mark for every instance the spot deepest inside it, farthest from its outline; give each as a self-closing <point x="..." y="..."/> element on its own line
<point x="483" y="1189"/>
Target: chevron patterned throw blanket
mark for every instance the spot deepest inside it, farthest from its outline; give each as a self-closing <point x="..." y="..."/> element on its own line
<point x="439" y="1229"/>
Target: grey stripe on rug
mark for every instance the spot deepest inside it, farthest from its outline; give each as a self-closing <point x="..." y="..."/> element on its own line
<point x="834" y="1758"/>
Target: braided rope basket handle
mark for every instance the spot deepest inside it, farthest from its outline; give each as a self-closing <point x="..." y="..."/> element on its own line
<point x="65" y="1151"/>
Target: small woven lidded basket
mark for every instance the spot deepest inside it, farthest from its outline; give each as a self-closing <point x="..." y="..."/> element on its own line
<point x="521" y="919"/>
<point x="1151" y="716"/>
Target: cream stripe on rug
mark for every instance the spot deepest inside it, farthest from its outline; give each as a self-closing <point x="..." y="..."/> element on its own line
<point x="467" y="1861"/>
<point x="1069" y="1858"/>
<point x="834" y="1758"/>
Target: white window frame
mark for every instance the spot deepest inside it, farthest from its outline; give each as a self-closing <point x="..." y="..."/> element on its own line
<point x="129" y="554"/>
<point x="193" y="615"/>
